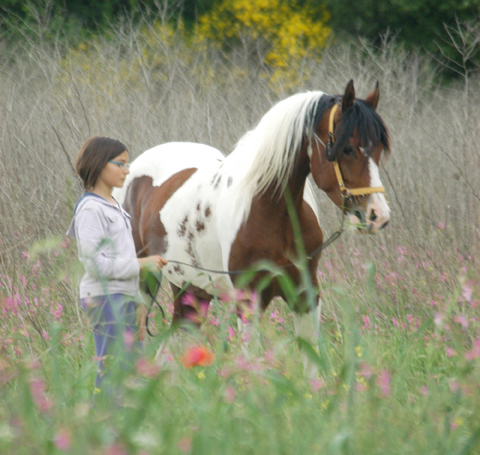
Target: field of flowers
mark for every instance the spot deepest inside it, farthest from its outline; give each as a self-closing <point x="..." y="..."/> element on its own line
<point x="398" y="355"/>
<point x="399" y="370"/>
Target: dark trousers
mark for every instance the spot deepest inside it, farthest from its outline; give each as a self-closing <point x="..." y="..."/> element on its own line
<point x="115" y="336"/>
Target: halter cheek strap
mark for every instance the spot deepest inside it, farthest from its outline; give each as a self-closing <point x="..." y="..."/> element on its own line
<point x="346" y="193"/>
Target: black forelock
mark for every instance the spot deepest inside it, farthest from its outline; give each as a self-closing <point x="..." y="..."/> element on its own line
<point x="371" y="130"/>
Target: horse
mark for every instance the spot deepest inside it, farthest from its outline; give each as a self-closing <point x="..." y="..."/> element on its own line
<point x="203" y="210"/>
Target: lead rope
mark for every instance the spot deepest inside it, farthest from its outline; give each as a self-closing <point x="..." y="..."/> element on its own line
<point x="153" y="301"/>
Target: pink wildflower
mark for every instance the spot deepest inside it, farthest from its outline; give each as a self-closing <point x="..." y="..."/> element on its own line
<point x="147" y="368"/>
<point x="37" y="389"/>
<point x="383" y="382"/>
<point x="270" y="357"/>
<point x="63" y="439"/>
<point x="244" y="364"/>
<point x="366" y="322"/>
<point x="365" y="370"/>
<point x="189" y="299"/>
<point x="231" y="333"/>
<point x="467" y="293"/>
<point x="454" y="386"/>
<point x="450" y="352"/>
<point x="474" y="352"/>
<point x="438" y="319"/>
<point x="116" y="449"/>
<point x="185" y="445"/>
<point x="229" y="395"/>
<point x="316" y="384"/>
<point x="461" y="319"/>
<point x="129" y="338"/>
<point x="360" y="387"/>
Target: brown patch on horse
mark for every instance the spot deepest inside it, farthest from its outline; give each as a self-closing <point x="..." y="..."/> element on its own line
<point x="208" y="211"/>
<point x="182" y="227"/>
<point x="178" y="269"/>
<point x="229" y="181"/>
<point x="268" y="235"/>
<point x="143" y="202"/>
<point x="200" y="226"/>
<point x="190" y="250"/>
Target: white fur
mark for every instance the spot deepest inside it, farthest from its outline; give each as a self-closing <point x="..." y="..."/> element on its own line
<point x="377" y="201"/>
<point x="161" y="162"/>
<point x="307" y="325"/>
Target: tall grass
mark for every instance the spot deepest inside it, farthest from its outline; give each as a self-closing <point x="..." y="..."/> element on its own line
<point x="400" y="310"/>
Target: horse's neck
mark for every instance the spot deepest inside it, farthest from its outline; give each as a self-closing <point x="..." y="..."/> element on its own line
<point x="293" y="193"/>
<point x="297" y="181"/>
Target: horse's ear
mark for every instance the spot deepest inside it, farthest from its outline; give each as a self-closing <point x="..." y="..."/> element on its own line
<point x="349" y="96"/>
<point x="374" y="96"/>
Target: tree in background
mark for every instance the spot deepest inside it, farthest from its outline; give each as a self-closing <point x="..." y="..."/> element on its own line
<point x="275" y="33"/>
<point x="417" y="23"/>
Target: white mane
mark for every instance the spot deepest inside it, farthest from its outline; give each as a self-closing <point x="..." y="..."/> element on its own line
<point x="266" y="154"/>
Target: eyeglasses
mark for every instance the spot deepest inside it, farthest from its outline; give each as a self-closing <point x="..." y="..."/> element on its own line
<point x="120" y="164"/>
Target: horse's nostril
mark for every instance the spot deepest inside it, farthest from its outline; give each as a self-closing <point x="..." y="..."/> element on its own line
<point x="373" y="216"/>
<point x="384" y="225"/>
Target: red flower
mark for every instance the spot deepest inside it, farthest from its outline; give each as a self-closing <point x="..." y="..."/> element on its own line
<point x="198" y="355"/>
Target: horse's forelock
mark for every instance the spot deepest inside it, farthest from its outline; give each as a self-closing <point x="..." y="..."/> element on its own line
<point x="371" y="131"/>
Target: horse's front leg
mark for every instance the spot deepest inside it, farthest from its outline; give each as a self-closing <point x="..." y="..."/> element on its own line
<point x="176" y="343"/>
<point x="307" y="325"/>
<point x="249" y="308"/>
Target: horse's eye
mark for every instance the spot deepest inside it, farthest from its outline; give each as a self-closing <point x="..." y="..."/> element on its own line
<point x="348" y="150"/>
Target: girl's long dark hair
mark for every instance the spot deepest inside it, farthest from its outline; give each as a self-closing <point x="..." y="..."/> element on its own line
<point x="94" y="155"/>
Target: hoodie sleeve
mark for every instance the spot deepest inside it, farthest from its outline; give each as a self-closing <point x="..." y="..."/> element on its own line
<point x="98" y="253"/>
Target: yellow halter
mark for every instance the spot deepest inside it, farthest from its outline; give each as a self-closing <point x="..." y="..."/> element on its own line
<point x="346" y="193"/>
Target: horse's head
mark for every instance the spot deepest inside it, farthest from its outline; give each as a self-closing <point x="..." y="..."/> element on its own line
<point x="344" y="163"/>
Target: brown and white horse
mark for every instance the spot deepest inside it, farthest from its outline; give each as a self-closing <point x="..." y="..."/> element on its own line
<point x="191" y="204"/>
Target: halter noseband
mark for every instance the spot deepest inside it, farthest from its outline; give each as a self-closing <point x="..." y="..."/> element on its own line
<point x="346" y="193"/>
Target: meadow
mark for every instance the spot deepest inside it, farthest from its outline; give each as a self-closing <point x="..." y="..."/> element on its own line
<point x="399" y="351"/>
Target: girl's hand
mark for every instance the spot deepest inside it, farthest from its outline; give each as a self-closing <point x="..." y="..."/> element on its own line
<point x="153" y="263"/>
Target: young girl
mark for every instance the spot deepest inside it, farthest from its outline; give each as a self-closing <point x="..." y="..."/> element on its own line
<point x="109" y="290"/>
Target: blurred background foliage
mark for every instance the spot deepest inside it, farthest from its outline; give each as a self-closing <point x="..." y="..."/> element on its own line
<point x="274" y="32"/>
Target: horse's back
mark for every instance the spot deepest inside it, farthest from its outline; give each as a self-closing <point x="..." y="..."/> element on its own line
<point x="163" y="161"/>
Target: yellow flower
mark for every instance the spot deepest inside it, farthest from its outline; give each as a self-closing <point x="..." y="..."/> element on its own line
<point x="358" y="351"/>
<point x="285" y="32"/>
<point x="201" y="375"/>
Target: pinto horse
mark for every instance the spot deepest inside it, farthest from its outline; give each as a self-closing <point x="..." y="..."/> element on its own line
<point x="191" y="204"/>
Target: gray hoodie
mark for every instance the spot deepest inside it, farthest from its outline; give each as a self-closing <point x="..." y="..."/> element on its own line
<point x="105" y="248"/>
